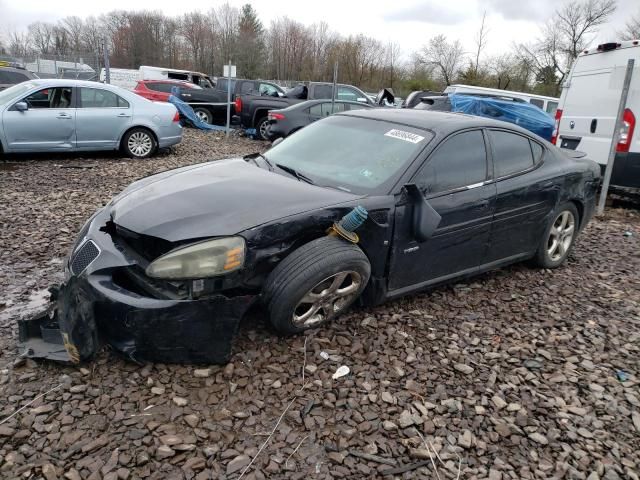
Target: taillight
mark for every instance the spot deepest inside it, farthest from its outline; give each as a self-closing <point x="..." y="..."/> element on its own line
<point x="176" y="117"/>
<point x="275" y="116"/>
<point x="626" y="131"/>
<point x="238" y="103"/>
<point x="556" y="127"/>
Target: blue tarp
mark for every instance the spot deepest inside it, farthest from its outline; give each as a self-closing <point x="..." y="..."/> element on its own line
<point x="187" y="113"/>
<point x="523" y="114"/>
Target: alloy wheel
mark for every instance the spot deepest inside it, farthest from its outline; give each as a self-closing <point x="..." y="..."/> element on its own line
<point x="327" y="299"/>
<point x="264" y="128"/>
<point x="202" y="116"/>
<point x="561" y="236"/>
<point x="140" y="144"/>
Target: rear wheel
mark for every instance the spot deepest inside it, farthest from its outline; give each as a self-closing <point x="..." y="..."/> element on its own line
<point x="559" y="236"/>
<point x="203" y="115"/>
<point x="315" y="283"/>
<point x="262" y="127"/>
<point x="139" y="143"/>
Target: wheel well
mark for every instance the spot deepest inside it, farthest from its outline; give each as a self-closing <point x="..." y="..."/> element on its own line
<point x="580" y="207"/>
<point x="141" y="127"/>
<point x="259" y="115"/>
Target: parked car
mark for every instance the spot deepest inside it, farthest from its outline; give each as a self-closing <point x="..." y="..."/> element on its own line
<point x="12" y="75"/>
<point x="586" y="116"/>
<point x="160" y="90"/>
<point x="286" y="121"/>
<point x="499" y="107"/>
<point x="166" y="270"/>
<point x="252" y="110"/>
<point x="243" y="86"/>
<point x="74" y="115"/>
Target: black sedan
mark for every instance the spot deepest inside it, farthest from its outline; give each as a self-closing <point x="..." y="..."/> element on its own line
<point x="362" y="206"/>
<point x="285" y="121"/>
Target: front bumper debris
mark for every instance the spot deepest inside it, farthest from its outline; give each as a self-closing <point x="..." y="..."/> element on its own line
<point x="91" y="308"/>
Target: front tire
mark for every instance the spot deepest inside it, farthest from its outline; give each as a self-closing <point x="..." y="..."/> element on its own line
<point x="139" y="143"/>
<point x="314" y="284"/>
<point x="203" y="115"/>
<point x="558" y="239"/>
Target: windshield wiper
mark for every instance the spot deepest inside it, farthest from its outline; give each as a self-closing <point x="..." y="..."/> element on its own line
<point x="295" y="173"/>
<point x="253" y="157"/>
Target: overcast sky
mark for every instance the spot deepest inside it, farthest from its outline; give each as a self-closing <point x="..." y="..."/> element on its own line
<point x="408" y="22"/>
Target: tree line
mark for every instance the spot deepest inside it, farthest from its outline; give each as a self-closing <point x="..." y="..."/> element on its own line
<point x="287" y="50"/>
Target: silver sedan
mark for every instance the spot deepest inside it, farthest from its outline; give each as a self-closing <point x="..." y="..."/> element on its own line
<point x="71" y="115"/>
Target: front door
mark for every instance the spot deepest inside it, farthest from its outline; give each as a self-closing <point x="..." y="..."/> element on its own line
<point x="102" y="118"/>
<point x="456" y="180"/>
<point x="48" y="124"/>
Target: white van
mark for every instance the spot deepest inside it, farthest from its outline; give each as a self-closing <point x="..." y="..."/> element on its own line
<point x="548" y="104"/>
<point x="588" y="105"/>
<point x="121" y="77"/>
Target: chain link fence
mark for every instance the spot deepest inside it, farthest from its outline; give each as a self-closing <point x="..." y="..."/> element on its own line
<point x="80" y="66"/>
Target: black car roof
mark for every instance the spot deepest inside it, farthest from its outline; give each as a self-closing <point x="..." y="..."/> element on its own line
<point x="440" y="122"/>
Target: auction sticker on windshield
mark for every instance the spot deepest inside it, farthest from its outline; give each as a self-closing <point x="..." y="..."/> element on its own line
<point x="406" y="136"/>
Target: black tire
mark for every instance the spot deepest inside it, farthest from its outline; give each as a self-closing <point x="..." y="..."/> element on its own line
<point x="204" y="114"/>
<point x="261" y="126"/>
<point x="315" y="266"/>
<point x="558" y="235"/>
<point x="129" y="146"/>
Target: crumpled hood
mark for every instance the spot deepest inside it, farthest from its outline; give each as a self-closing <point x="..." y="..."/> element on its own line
<point x="219" y="198"/>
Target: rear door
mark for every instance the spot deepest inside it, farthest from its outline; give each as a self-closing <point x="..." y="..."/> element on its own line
<point x="324" y="109"/>
<point x="102" y="118"/>
<point x="48" y="125"/>
<point x="592" y="95"/>
<point x="524" y="197"/>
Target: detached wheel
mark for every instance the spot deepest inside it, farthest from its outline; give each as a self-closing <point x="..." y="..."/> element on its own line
<point x="558" y="238"/>
<point x="139" y="143"/>
<point x="203" y="115"/>
<point x="262" y="127"/>
<point x="314" y="284"/>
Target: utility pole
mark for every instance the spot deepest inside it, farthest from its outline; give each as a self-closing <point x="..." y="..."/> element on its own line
<point x="333" y="90"/>
<point x="228" y="97"/>
<point x="616" y="137"/>
<point x="105" y="51"/>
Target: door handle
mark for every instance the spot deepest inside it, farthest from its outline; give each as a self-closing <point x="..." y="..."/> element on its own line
<point x="124" y="115"/>
<point x="482" y="205"/>
<point x="64" y="116"/>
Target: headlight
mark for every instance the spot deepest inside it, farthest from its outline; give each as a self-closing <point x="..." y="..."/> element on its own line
<point x="200" y="260"/>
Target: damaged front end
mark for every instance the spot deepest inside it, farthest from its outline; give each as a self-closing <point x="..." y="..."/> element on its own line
<point x="107" y="298"/>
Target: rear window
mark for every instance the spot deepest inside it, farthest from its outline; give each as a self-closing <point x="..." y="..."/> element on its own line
<point x="9" y="77"/>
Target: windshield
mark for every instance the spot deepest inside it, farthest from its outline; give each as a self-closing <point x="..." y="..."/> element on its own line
<point x="14" y="92"/>
<point x="354" y="154"/>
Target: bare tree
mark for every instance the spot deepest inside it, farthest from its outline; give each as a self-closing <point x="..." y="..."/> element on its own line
<point x="481" y="42"/>
<point x="73" y="27"/>
<point x="19" y="44"/>
<point x="446" y="57"/>
<point x="41" y="36"/>
<point x="631" y="28"/>
<point x="577" y="20"/>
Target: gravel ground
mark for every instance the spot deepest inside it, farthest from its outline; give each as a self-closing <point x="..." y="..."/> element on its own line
<point x="520" y="373"/>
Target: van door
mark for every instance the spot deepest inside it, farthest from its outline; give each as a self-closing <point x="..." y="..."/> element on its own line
<point x="589" y="111"/>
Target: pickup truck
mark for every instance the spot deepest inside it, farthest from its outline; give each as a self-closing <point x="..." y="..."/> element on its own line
<point x="252" y="110"/>
<point x="241" y="86"/>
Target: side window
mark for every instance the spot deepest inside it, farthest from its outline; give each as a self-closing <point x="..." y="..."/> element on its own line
<point x="459" y="162"/>
<point x="246" y="88"/>
<point x="12" y="77"/>
<point x="59" y="97"/>
<point x="349" y="94"/>
<point x="267" y="89"/>
<point x="322" y="91"/>
<point x="327" y="110"/>
<point x="356" y="106"/>
<point x="537" y="150"/>
<point x="511" y="153"/>
<point x="160" y="87"/>
<point x="552" y="107"/>
<point x="97" y="98"/>
<point x="222" y="84"/>
<point x="316" y="110"/>
<point x="537" y="102"/>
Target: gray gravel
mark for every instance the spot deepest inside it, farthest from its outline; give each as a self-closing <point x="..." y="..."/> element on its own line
<point x="520" y="373"/>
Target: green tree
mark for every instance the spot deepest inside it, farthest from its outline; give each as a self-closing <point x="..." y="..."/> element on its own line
<point x="250" y="46"/>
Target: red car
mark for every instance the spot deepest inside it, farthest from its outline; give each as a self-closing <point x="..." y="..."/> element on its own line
<point x="159" y="90"/>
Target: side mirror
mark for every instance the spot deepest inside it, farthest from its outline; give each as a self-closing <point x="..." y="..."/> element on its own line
<point x="425" y="219"/>
<point x="276" y="141"/>
<point x="22" y="106"/>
